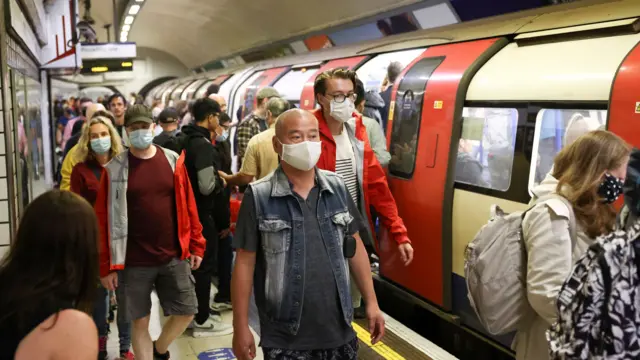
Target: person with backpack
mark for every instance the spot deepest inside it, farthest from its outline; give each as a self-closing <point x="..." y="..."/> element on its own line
<point x="517" y="263"/>
<point x="201" y="160"/>
<point x="170" y="137"/>
<point x="598" y="312"/>
<point x="589" y="174"/>
<point x="98" y="144"/>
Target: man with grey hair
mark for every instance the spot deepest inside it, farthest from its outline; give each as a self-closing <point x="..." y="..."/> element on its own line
<point x="393" y="71"/>
<point x="259" y="158"/>
<point x="296" y="243"/>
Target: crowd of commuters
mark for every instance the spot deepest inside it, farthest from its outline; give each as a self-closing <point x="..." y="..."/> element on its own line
<point x="144" y="201"/>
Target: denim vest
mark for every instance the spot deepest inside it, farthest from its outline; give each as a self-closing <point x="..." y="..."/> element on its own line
<point x="281" y="225"/>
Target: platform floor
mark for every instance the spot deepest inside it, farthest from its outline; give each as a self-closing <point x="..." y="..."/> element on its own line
<point x="398" y="343"/>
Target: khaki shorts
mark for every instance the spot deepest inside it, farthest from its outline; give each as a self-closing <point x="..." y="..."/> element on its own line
<point x="173" y="282"/>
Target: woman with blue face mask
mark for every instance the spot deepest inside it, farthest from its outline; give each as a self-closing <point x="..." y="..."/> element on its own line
<point x="98" y="144"/>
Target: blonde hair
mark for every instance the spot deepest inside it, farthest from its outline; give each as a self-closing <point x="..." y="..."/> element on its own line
<point x="579" y="168"/>
<point x="85" y="152"/>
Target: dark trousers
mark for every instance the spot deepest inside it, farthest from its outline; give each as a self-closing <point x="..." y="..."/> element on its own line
<point x="205" y="271"/>
<point x="225" y="260"/>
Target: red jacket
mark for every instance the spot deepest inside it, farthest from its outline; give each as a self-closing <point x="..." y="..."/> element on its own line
<point x="375" y="189"/>
<point x="112" y="256"/>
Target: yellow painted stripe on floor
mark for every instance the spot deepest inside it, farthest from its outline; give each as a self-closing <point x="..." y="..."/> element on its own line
<point x="382" y="349"/>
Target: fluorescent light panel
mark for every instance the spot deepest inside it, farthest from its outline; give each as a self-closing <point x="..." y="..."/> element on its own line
<point x="128" y="20"/>
<point x="134" y="9"/>
<point x="126" y="27"/>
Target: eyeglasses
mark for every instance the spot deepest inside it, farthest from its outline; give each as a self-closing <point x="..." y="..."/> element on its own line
<point x="340" y="98"/>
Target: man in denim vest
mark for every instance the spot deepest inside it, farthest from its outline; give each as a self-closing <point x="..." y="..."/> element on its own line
<point x="297" y="237"/>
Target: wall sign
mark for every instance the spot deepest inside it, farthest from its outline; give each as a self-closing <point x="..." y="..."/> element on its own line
<point x="108" y="51"/>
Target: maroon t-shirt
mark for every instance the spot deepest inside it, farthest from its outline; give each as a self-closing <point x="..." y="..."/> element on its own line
<point x="151" y="201"/>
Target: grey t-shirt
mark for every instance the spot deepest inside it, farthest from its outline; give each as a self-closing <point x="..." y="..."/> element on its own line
<point x="322" y="324"/>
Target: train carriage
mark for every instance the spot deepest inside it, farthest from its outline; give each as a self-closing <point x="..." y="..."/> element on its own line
<point x="498" y="93"/>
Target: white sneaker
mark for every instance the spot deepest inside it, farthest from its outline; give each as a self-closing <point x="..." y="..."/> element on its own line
<point x="223" y="306"/>
<point x="211" y="328"/>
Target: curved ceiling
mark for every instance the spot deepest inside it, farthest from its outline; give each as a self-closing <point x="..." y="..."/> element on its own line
<point x="198" y="31"/>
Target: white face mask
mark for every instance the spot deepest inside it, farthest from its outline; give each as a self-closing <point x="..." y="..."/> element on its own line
<point x="342" y="111"/>
<point x="302" y="156"/>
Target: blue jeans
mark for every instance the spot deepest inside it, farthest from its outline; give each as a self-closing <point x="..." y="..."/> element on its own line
<point x="100" y="313"/>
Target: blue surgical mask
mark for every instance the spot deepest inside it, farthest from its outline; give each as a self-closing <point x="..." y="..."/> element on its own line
<point x="101" y="145"/>
<point x="141" y="139"/>
<point x="223" y="137"/>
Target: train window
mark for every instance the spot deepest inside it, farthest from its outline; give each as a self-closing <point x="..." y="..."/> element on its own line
<point x="408" y="114"/>
<point x="374" y="71"/>
<point x="486" y="147"/>
<point x="291" y="84"/>
<point x="556" y="128"/>
<point x="188" y="92"/>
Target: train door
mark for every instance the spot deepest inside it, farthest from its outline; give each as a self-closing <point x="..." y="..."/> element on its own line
<point x="624" y="104"/>
<point x="424" y="117"/>
<point x="267" y="78"/>
<point x="291" y="84"/>
<point x="177" y="92"/>
<point x="188" y="92"/>
<point x="308" y="99"/>
<point x="202" y="89"/>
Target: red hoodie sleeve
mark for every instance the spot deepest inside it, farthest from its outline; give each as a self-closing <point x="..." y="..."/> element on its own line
<point x="198" y="244"/>
<point x="102" y="213"/>
<point x="381" y="198"/>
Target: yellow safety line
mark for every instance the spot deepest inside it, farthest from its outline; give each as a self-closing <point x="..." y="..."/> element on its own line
<point x="382" y="349"/>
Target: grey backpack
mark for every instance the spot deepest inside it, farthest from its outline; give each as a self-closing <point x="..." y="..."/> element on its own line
<point x="495" y="269"/>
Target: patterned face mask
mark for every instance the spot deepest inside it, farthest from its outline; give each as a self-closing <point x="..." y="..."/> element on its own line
<point x="610" y="188"/>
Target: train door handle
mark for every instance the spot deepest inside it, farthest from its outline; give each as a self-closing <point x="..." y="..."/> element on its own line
<point x="431" y="150"/>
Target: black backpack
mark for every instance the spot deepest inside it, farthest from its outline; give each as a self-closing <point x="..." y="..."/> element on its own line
<point x="175" y="143"/>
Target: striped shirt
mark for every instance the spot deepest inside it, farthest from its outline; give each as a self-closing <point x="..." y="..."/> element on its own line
<point x="346" y="163"/>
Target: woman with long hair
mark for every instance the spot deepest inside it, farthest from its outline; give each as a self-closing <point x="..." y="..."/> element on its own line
<point x="98" y="144"/>
<point x="588" y="174"/>
<point x="47" y="281"/>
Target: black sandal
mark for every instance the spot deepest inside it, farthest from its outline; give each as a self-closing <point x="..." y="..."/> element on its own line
<point x="158" y="356"/>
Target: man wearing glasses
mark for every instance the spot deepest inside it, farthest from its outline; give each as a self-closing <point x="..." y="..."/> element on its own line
<point x="346" y="150"/>
<point x="199" y="160"/>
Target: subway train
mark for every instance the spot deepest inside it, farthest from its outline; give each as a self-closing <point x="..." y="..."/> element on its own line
<point x="497" y="94"/>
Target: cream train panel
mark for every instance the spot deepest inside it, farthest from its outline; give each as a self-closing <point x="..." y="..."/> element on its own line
<point x="470" y="213"/>
<point x="581" y="70"/>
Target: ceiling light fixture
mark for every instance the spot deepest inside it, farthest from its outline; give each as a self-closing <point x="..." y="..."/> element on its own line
<point x="128" y="20"/>
<point x="126" y="27"/>
<point x="134" y="9"/>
